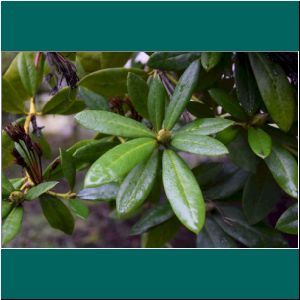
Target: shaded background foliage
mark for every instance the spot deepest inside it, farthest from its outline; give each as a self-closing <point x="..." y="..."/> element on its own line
<point x="231" y="183"/>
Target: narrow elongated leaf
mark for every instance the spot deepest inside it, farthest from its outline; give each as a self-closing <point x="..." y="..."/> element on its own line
<point x="68" y="166"/>
<point x="182" y="94"/>
<point x="40" y="189"/>
<point x="11" y="101"/>
<point x="57" y="214"/>
<point x="229" y="104"/>
<point x="111" y="123"/>
<point x="137" y="185"/>
<point x="260" y="195"/>
<point x="155" y="216"/>
<point x="275" y="89"/>
<point x="160" y="235"/>
<point x="12" y="224"/>
<point x="156" y="102"/>
<point x="198" y="144"/>
<point x="259" y="141"/>
<point x="109" y="82"/>
<point x="183" y="191"/>
<point x="80" y="209"/>
<point x="31" y="75"/>
<point x="6" y="208"/>
<point x="172" y="61"/>
<point x="93" y="100"/>
<point x="210" y="59"/>
<point x="117" y="162"/>
<point x="138" y="92"/>
<point x="246" y="86"/>
<point x="283" y="167"/>
<point x="288" y="221"/>
<point x="104" y="192"/>
<point x="7" y="187"/>
<point x="206" y="126"/>
<point x="213" y="236"/>
<point x="17" y="182"/>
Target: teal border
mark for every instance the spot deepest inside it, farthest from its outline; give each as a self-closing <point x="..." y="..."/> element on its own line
<point x="149" y="274"/>
<point x="207" y="26"/>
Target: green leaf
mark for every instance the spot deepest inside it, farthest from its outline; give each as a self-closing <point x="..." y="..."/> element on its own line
<point x="288" y="221"/>
<point x="17" y="182"/>
<point x="210" y="59"/>
<point x="206" y="172"/>
<point x="234" y="223"/>
<point x="31" y="75"/>
<point x="81" y="210"/>
<point x="183" y="191"/>
<point x="57" y="213"/>
<point x="160" y="235"/>
<point x="283" y="167"/>
<point x="104" y="192"/>
<point x="213" y="236"/>
<point x="259" y="141"/>
<point x="7" y="147"/>
<point x="68" y="167"/>
<point x="40" y="189"/>
<point x="114" y="59"/>
<point x="117" y="162"/>
<point x="93" y="100"/>
<point x="6" y="208"/>
<point x="11" y="101"/>
<point x="199" y="110"/>
<point x="137" y="185"/>
<point x="260" y="195"/>
<point x="12" y="224"/>
<point x="206" y="126"/>
<point x="227" y="135"/>
<point x="43" y="143"/>
<point x="172" y="61"/>
<point x="229" y="104"/>
<point x="88" y="61"/>
<point x="7" y="187"/>
<point x="246" y="87"/>
<point x="241" y="154"/>
<point x="156" y="102"/>
<point x="182" y="94"/>
<point x="275" y="89"/>
<point x="109" y="82"/>
<point x="111" y="123"/>
<point x="198" y="144"/>
<point x="138" y="92"/>
<point x="155" y="216"/>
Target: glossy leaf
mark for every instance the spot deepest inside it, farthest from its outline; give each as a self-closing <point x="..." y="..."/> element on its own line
<point x="229" y="104"/>
<point x="109" y="82"/>
<point x="182" y="94"/>
<point x="210" y="59"/>
<point x="12" y="224"/>
<point x="246" y="86"/>
<point x="6" y="208"/>
<point x="259" y="141"/>
<point x="137" y="185"/>
<point x="93" y="100"/>
<point x="198" y="144"/>
<point x="275" y="89"/>
<point x="138" y="92"/>
<point x="104" y="192"/>
<point x="88" y="62"/>
<point x="260" y="195"/>
<point x="172" y="61"/>
<point x="81" y="210"/>
<point x="68" y="167"/>
<point x="117" y="162"/>
<point x="11" y="101"/>
<point x="6" y="186"/>
<point x="283" y="167"/>
<point x="160" y="235"/>
<point x="206" y="126"/>
<point x="183" y="192"/>
<point x="31" y="75"/>
<point x="111" y="123"/>
<point x="213" y="236"/>
<point x="227" y="135"/>
<point x="155" y="216"/>
<point x="40" y="189"/>
<point x="288" y="221"/>
<point x="156" y="102"/>
<point x="114" y="59"/>
<point x="57" y="214"/>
